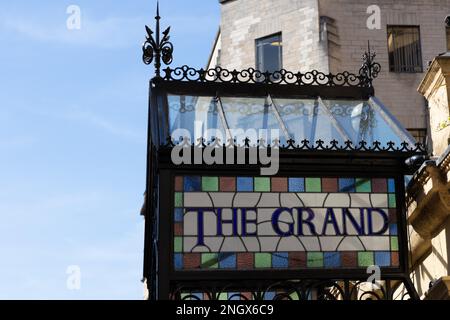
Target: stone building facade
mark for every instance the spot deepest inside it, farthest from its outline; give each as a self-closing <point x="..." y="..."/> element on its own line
<point x="428" y="193"/>
<point x="331" y="35"/>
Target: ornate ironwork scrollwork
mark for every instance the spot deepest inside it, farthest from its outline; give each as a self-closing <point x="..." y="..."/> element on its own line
<point x="251" y="75"/>
<point x="157" y="49"/>
<point x="333" y="289"/>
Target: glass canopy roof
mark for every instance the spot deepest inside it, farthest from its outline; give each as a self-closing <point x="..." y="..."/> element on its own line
<point x="270" y="117"/>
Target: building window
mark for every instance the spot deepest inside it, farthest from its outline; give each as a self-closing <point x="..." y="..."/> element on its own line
<point x="269" y="53"/>
<point x="448" y="38"/>
<point x="420" y="135"/>
<point x="405" y="54"/>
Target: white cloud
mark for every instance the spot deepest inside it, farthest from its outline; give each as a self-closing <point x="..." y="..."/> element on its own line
<point x="77" y="114"/>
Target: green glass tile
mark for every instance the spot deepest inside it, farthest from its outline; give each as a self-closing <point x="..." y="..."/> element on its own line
<point x="178" y="199"/>
<point x="209" y="261"/>
<point x="392" y="201"/>
<point x="262" y="184"/>
<point x="365" y="259"/>
<point x="394" y="244"/>
<point x="185" y="296"/>
<point x="263" y="260"/>
<point x="223" y="296"/>
<point x="294" y="296"/>
<point x="315" y="260"/>
<point x="210" y="184"/>
<point x="363" y="185"/>
<point x="313" y="185"/>
<point x="178" y="244"/>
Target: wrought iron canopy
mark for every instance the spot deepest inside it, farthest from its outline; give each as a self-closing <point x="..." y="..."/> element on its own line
<point x="329" y="124"/>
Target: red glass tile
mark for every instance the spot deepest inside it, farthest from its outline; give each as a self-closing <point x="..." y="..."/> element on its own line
<point x="349" y="259"/>
<point x="245" y="261"/>
<point x="178" y="183"/>
<point x="191" y="260"/>
<point x="247" y="295"/>
<point x="297" y="260"/>
<point x="178" y="228"/>
<point x="228" y="184"/>
<point x="379" y="185"/>
<point x="330" y="185"/>
<point x="279" y="184"/>
<point x="395" y="261"/>
<point x="392" y="216"/>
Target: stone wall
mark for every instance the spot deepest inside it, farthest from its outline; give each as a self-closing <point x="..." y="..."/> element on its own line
<point x="298" y="20"/>
<point x="395" y="90"/>
<point x="336" y="43"/>
<point x="435" y="88"/>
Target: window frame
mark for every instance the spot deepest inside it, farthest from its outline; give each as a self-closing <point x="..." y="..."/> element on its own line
<point x="280" y="57"/>
<point x="424" y="135"/>
<point x="420" y="68"/>
<point x="447" y="37"/>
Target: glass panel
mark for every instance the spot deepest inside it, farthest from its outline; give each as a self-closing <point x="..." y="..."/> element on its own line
<point x="198" y="115"/>
<point x="361" y="122"/>
<point x="253" y="118"/>
<point x="308" y="119"/>
<point x="268" y="53"/>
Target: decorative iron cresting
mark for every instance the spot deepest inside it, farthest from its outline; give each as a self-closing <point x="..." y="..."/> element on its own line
<point x="304" y="145"/>
<point x="251" y="75"/>
<point x="162" y="49"/>
<point x="157" y="49"/>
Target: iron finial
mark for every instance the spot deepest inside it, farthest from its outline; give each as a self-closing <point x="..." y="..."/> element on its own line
<point x="157" y="49"/>
<point x="370" y="69"/>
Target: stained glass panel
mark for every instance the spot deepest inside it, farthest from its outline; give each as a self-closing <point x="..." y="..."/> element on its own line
<point x="248" y="223"/>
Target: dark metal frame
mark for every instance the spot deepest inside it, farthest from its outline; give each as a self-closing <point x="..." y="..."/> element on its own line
<point x="300" y="158"/>
<point x="312" y="164"/>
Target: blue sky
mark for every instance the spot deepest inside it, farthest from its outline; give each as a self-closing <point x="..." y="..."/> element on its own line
<point x="73" y="110"/>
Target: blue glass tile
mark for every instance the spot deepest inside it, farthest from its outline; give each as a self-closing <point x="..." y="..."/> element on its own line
<point x="178" y="261"/>
<point x="178" y="214"/>
<point x="332" y="259"/>
<point x="227" y="260"/>
<point x="193" y="296"/>
<point x="347" y="185"/>
<point x="192" y="184"/>
<point x="393" y="229"/>
<point x="383" y="259"/>
<point x="269" y="295"/>
<point x="233" y="296"/>
<point x="244" y="184"/>
<point x="280" y="260"/>
<point x="296" y="185"/>
<point x="391" y="185"/>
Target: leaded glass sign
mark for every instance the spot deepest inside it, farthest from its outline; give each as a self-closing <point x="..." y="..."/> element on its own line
<point x="257" y="223"/>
